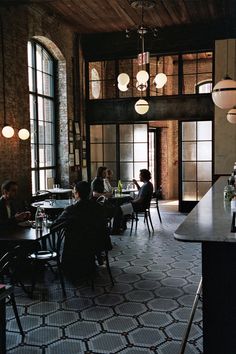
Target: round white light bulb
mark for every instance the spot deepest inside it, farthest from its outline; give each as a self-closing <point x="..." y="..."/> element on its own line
<point x="142" y="76"/>
<point x="7" y="131"/>
<point x="123" y="79"/>
<point x="141" y="106"/>
<point x="160" y="80"/>
<point x="23" y="134"/>
<point x="224" y="93"/>
<point x="122" y="88"/>
<point x="231" y="116"/>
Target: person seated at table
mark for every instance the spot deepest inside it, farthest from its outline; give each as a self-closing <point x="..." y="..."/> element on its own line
<point x="10" y="213"/>
<point x="107" y="181"/>
<point x="86" y="234"/>
<point x="98" y="186"/>
<point x="142" y="201"/>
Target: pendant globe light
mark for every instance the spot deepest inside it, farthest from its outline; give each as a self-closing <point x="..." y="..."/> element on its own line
<point x="142" y="76"/>
<point x="231" y="115"/>
<point x="224" y="92"/>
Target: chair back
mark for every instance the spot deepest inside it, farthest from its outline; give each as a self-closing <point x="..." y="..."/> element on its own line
<point x="101" y="199"/>
<point x="56" y="237"/>
<point x="10" y="261"/>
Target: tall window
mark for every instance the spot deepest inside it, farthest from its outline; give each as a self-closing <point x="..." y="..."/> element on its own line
<point x="42" y="115"/>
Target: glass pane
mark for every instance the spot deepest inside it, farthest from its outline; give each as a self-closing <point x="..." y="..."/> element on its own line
<point x="109" y="89"/>
<point x="203" y="188"/>
<point x="40" y="109"/>
<point x="109" y="132"/>
<point x="204" y="171"/>
<point x="29" y="53"/>
<point x="49" y="155"/>
<point x="94" y="166"/>
<point x="48" y="133"/>
<point x="189" y="63"/>
<point x="32" y="106"/>
<point x="188" y="131"/>
<point x="33" y="155"/>
<point x="41" y="132"/>
<point x="140" y="152"/>
<point x="48" y="110"/>
<point x="204" y="130"/>
<point x="189" y="191"/>
<point x="204" y="150"/>
<point x="188" y="151"/>
<point x="39" y="82"/>
<point x="95" y="133"/>
<point x="137" y="167"/>
<point x="140" y="133"/>
<point x="33" y="131"/>
<point x="96" y="152"/>
<point x="189" y="171"/>
<point x="109" y="152"/>
<point x="126" y="132"/>
<point x="42" y="179"/>
<point x="47" y="85"/>
<point x="189" y="84"/>
<point x="47" y="63"/>
<point x="95" y="90"/>
<point x="41" y="156"/>
<point x="171" y="87"/>
<point x="126" y="171"/>
<point x="39" y="57"/>
<point x="33" y="178"/>
<point x="204" y="62"/>
<point x="126" y="152"/>
<point x="30" y="79"/>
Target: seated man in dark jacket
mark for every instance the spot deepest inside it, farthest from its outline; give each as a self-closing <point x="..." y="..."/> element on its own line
<point x="9" y="213"/>
<point x="86" y="233"/>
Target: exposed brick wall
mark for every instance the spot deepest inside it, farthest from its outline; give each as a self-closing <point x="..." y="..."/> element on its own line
<point x="20" y="24"/>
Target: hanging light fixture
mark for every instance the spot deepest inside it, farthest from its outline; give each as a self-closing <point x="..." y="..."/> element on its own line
<point x="224" y="92"/>
<point x="142" y="77"/>
<point x="7" y="130"/>
<point x="231" y="115"/>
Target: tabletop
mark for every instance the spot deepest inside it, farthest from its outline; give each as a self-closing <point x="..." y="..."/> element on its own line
<point x="211" y="219"/>
<point x="59" y="190"/>
<point x="20" y="233"/>
<point x="53" y="203"/>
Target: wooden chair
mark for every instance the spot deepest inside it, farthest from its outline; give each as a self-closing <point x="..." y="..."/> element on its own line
<point x="156" y="197"/>
<point x="50" y="256"/>
<point x="147" y="219"/>
<point x="8" y="265"/>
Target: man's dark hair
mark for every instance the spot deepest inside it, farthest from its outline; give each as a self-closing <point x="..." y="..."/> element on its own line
<point x="83" y="188"/>
<point x="145" y="174"/>
<point x="6" y="186"/>
<point x="100" y="171"/>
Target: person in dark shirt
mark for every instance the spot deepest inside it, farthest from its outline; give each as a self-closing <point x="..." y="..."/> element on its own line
<point x="97" y="185"/>
<point x="86" y="234"/>
<point x="142" y="201"/>
<point x="10" y="214"/>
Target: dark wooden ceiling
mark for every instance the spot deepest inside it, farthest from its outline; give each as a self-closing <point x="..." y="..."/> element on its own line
<point x="92" y="16"/>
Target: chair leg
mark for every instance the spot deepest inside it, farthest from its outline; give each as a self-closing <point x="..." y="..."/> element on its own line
<point x="108" y="267"/>
<point x="158" y="211"/>
<point x="150" y="219"/>
<point x="61" y="277"/>
<point x="132" y="223"/>
<point x="146" y="218"/>
<point x="13" y="302"/>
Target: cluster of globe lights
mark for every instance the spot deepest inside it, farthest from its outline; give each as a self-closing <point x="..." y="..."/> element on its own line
<point x="8" y="132"/>
<point x="224" y="97"/>
<point x="142" y="77"/>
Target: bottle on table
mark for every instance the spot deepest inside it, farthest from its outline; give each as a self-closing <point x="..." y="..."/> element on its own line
<point x="39" y="216"/>
<point x="119" y="187"/>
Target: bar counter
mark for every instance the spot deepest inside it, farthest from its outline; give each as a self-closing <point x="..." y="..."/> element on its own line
<point x="210" y="224"/>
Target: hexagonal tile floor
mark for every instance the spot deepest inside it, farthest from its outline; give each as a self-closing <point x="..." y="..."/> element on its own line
<point x="145" y="312"/>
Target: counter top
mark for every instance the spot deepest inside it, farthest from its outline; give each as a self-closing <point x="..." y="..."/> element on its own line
<point x="211" y="219"/>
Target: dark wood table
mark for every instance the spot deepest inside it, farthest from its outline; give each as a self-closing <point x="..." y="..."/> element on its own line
<point x="19" y="233"/>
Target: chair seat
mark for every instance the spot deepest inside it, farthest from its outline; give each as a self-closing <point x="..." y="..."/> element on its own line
<point x="43" y="255"/>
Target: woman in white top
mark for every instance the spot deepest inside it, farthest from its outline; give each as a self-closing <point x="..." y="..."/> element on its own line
<point x="107" y="181"/>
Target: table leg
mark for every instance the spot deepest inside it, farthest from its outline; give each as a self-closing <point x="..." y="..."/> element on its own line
<point x="219" y="297"/>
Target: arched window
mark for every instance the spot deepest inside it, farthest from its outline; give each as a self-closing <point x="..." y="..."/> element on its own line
<point x="204" y="86"/>
<point x="42" y="115"/>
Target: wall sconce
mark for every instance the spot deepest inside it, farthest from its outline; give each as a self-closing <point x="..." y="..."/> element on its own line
<point x="7" y="130"/>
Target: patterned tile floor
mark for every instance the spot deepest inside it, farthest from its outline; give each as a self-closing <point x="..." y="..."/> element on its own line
<point x="146" y="311"/>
